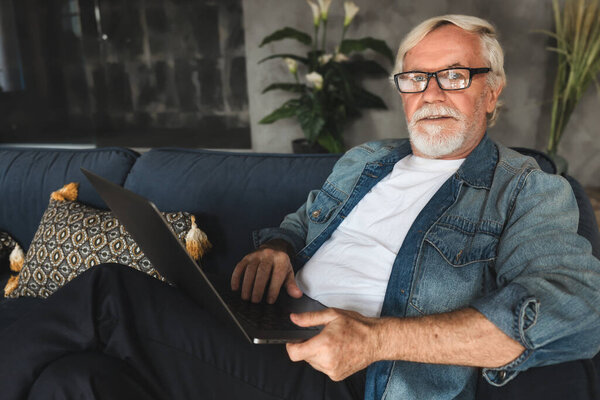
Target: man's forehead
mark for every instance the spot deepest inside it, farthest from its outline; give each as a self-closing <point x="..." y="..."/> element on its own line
<point x="445" y="47"/>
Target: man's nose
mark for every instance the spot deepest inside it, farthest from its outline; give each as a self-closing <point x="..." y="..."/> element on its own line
<point x="433" y="93"/>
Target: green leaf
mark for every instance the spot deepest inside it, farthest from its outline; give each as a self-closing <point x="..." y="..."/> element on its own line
<point x="557" y="50"/>
<point x="577" y="35"/>
<point x="287" y="110"/>
<point x="366" y="99"/>
<point x="303" y="60"/>
<point x="350" y="45"/>
<point x="339" y="77"/>
<point x="311" y="124"/>
<point x="289" y="87"/>
<point x="288" y="33"/>
<point x="310" y="117"/>
<point x="367" y="67"/>
<point x="330" y="143"/>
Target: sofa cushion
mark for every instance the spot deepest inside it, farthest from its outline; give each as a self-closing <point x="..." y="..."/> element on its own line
<point x="231" y="194"/>
<point x="546" y="164"/>
<point x="588" y="226"/>
<point x="30" y="175"/>
<point x="569" y="380"/>
<point x="12" y="309"/>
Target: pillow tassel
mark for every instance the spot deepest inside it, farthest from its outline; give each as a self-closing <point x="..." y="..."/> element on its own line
<point x="11" y="285"/>
<point x="196" y="241"/>
<point x="17" y="259"/>
<point x="66" y="193"/>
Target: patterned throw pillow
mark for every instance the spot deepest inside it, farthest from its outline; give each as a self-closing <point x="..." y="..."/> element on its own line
<point x="73" y="237"/>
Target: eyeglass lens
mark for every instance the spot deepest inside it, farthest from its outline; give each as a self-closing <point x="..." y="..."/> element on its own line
<point x="449" y="79"/>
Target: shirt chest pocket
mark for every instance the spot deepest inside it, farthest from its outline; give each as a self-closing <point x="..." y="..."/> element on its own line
<point x="323" y="207"/>
<point x="460" y="247"/>
<point x="455" y="266"/>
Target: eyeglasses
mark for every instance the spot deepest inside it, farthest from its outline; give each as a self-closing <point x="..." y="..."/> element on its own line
<point x="447" y="79"/>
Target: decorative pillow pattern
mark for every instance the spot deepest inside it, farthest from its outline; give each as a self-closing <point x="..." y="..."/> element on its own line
<point x="73" y="237"/>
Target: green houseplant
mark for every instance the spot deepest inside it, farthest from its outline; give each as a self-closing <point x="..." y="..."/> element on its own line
<point x="329" y="93"/>
<point x="577" y="36"/>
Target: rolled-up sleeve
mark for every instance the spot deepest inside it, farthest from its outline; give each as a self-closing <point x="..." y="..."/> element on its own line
<point x="293" y="229"/>
<point x="548" y="296"/>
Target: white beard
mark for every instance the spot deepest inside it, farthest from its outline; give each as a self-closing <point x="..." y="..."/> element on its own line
<point x="434" y="143"/>
<point x="434" y="140"/>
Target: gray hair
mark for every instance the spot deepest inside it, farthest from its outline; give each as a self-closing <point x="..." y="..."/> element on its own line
<point x="492" y="51"/>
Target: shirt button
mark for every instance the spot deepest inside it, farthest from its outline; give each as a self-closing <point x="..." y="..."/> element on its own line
<point x="502" y="375"/>
<point x="316" y="213"/>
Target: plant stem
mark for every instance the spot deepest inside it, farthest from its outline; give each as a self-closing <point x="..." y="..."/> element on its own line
<point x="343" y="33"/>
<point x="577" y="35"/>
<point x="324" y="35"/>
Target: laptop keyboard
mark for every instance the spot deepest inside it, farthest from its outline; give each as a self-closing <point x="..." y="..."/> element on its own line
<point x="259" y="316"/>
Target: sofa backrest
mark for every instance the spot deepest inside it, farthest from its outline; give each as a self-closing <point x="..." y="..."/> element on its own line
<point x="231" y="194"/>
<point x="28" y="177"/>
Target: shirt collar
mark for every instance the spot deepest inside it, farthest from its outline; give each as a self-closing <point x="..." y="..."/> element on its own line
<point x="479" y="166"/>
<point x="396" y="153"/>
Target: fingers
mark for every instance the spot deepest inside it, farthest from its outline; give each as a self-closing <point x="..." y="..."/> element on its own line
<point x="263" y="273"/>
<point x="248" y="281"/>
<point x="314" y="351"/>
<point x="340" y="349"/>
<point x="282" y="272"/>
<point x="314" y="318"/>
<point x="257" y="269"/>
<point x="236" y="276"/>
<point x="276" y="281"/>
<point x="300" y="351"/>
<point x="291" y="286"/>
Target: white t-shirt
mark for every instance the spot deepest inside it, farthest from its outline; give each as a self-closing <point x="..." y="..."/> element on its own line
<point x="352" y="268"/>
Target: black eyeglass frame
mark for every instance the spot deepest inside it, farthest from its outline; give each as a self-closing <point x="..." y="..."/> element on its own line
<point x="472" y="71"/>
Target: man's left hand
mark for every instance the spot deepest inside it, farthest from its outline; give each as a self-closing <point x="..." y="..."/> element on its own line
<point x="348" y="343"/>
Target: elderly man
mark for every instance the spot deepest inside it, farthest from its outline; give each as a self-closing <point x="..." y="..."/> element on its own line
<point x="435" y="256"/>
<point x="461" y="254"/>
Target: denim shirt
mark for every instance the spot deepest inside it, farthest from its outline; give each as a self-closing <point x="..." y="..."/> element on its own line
<point x="499" y="236"/>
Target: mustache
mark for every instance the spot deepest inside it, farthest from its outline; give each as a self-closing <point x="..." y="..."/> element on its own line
<point x="432" y="110"/>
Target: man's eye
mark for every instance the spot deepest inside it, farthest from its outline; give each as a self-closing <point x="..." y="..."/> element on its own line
<point x="419" y="78"/>
<point x="455" y="75"/>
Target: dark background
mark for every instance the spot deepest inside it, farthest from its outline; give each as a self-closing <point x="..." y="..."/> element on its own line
<point x="133" y="73"/>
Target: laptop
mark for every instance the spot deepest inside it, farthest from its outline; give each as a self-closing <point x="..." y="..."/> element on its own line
<point x="260" y="323"/>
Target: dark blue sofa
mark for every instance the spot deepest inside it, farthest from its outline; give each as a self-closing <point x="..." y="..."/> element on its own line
<point x="231" y="195"/>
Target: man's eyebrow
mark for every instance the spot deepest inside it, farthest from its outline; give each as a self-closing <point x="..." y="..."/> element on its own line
<point x="453" y="65"/>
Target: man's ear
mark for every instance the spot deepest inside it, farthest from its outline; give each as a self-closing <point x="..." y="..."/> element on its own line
<point x="493" y="96"/>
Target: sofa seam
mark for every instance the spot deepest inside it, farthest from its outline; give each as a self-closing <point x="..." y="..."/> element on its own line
<point x="246" y="154"/>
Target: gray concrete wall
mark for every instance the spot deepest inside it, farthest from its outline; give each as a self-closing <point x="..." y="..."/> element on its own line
<point x="529" y="67"/>
<point x="134" y="73"/>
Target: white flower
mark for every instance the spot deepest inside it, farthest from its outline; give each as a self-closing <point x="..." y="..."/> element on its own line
<point x="315" y="79"/>
<point x="324" y="5"/>
<point x="340" y="57"/>
<point x="316" y="12"/>
<point x="325" y="58"/>
<point x="350" y="9"/>
<point x="291" y="64"/>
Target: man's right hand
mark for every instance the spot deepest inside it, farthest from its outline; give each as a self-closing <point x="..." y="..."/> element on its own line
<point x="270" y="263"/>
